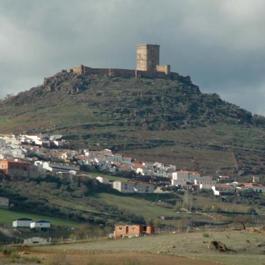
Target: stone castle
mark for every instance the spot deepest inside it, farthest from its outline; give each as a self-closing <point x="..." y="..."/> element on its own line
<point x="147" y="65"/>
<point x="147" y="59"/>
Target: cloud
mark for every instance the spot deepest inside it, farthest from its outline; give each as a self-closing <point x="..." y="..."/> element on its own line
<point x="220" y="44"/>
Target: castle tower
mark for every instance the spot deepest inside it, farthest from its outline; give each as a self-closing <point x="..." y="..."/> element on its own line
<point x="147" y="57"/>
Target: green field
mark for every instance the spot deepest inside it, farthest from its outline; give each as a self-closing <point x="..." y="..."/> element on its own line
<point x="7" y="216"/>
<point x="91" y="203"/>
<point x="147" y="209"/>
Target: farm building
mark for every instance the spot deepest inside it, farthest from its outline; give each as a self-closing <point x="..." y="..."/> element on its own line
<point x="129" y="231"/>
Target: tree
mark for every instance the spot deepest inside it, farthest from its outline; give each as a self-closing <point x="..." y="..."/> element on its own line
<point x="187" y="201"/>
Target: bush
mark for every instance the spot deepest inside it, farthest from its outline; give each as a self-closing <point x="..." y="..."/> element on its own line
<point x="205" y="235"/>
<point x="7" y="251"/>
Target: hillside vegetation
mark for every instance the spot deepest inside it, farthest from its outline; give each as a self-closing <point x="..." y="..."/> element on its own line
<point x="83" y="200"/>
<point x="168" y="120"/>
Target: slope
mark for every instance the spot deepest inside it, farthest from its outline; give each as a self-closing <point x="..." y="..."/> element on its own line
<point x="165" y="119"/>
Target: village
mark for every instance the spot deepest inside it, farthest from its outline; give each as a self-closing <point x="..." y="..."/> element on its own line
<point x="39" y="155"/>
<point x="33" y="156"/>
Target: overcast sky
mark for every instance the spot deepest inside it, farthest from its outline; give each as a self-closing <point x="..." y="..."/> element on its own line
<point x="219" y="43"/>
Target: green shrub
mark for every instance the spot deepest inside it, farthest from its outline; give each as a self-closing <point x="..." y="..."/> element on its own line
<point x="205" y="235"/>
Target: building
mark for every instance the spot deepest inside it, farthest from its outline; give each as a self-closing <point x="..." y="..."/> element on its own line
<point x="60" y="168"/>
<point x="36" y="241"/>
<point x="102" y="180"/>
<point x="129" y="231"/>
<point x="224" y="188"/>
<point x="138" y="168"/>
<point x="40" y="225"/>
<point x="16" y="168"/>
<point x="133" y="187"/>
<point x="183" y="178"/>
<point x="148" y="57"/>
<point x="252" y="186"/>
<point x="205" y="182"/>
<point x="4" y="202"/>
<point x="31" y="139"/>
<point x="22" y="223"/>
<point x="43" y="166"/>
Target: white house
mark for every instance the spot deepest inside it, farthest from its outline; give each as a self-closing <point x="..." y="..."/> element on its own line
<point x="205" y="182"/>
<point x="139" y="171"/>
<point x="102" y="180"/>
<point x="133" y="187"/>
<point x="183" y="178"/>
<point x="40" y="225"/>
<point x="22" y="223"/>
<point x="43" y="165"/>
<point x="31" y="139"/>
<point x="215" y="192"/>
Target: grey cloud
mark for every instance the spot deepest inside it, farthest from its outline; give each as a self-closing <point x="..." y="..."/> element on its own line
<point x="220" y="44"/>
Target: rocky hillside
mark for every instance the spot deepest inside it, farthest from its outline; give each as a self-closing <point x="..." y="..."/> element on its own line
<point x="168" y="120"/>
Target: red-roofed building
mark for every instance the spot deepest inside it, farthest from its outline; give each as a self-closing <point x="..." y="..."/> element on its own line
<point x="129" y="231"/>
<point x="15" y="169"/>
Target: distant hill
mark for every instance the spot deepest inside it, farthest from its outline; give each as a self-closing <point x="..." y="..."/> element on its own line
<point x="156" y="119"/>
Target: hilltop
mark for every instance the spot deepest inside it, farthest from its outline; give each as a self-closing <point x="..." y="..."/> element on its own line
<point x="153" y="118"/>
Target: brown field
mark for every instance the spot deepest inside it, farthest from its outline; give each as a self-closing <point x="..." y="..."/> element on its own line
<point x="246" y="247"/>
<point x="124" y="258"/>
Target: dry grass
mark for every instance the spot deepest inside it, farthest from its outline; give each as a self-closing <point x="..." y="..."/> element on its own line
<point x="125" y="258"/>
<point x="167" y="249"/>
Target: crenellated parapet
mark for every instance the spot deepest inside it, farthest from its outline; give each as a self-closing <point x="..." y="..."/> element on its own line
<point x="161" y="72"/>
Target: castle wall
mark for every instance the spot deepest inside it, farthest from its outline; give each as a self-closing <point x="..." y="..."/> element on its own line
<point x="161" y="72"/>
<point x="163" y="69"/>
<point x="78" y="69"/>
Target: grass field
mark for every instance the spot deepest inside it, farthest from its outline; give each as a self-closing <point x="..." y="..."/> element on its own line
<point x="7" y="216"/>
<point x="248" y="248"/>
<point x="145" y="208"/>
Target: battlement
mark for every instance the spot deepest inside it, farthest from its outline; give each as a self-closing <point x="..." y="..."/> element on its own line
<point x="110" y="72"/>
<point x="161" y="72"/>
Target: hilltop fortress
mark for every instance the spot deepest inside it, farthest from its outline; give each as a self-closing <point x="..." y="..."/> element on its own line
<point x="147" y="65"/>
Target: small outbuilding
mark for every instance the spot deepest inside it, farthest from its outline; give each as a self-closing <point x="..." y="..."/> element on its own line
<point x="36" y="241"/>
<point x="42" y="224"/>
<point x="22" y="223"/>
